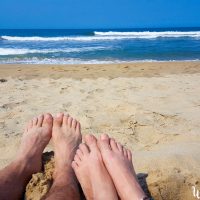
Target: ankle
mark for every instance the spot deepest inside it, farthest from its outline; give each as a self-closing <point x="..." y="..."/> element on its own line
<point x="65" y="178"/>
<point x="136" y="192"/>
<point x="25" y="164"/>
<point x="20" y="165"/>
<point x="18" y="170"/>
<point x="63" y="172"/>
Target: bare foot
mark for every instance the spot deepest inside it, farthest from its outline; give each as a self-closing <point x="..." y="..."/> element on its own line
<point x="15" y="176"/>
<point x="91" y="172"/>
<point x="35" y="138"/>
<point x="118" y="162"/>
<point x="66" y="137"/>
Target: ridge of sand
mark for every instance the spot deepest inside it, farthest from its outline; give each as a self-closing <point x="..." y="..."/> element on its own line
<point x="154" y="111"/>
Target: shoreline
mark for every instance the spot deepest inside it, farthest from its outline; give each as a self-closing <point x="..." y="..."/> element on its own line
<point x="103" y="62"/>
<point x="93" y="71"/>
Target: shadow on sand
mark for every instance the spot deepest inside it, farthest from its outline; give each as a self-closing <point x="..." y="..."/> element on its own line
<point x="143" y="183"/>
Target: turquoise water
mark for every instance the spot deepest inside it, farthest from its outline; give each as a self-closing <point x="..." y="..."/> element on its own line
<point x="99" y="46"/>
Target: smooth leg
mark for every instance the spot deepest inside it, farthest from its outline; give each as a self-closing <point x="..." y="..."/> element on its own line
<point x="118" y="161"/>
<point x="91" y="172"/>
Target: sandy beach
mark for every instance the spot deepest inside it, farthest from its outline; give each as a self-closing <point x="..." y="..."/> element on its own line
<point x="152" y="108"/>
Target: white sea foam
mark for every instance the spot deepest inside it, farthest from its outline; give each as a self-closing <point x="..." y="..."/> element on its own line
<point x="13" y="51"/>
<point x="17" y="38"/>
<point x="60" y="61"/>
<point x="55" y="39"/>
<point x="110" y="36"/>
<point x="149" y="34"/>
<point x="71" y="61"/>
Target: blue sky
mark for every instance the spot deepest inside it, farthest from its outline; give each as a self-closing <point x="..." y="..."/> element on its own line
<point x="99" y="13"/>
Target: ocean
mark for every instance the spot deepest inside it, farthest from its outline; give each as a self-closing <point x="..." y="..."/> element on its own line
<point x="82" y="46"/>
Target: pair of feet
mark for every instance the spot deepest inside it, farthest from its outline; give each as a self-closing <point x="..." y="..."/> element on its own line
<point x="103" y="167"/>
<point x="105" y="171"/>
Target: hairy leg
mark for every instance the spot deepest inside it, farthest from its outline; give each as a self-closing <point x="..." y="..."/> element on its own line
<point x="15" y="176"/>
<point x="66" y="136"/>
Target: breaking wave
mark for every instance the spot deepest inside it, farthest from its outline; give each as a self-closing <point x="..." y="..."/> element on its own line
<point x="13" y="51"/>
<point x="110" y="35"/>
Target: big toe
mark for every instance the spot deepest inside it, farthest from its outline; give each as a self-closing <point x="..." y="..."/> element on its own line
<point x="57" y="121"/>
<point x="91" y="141"/>
<point x="104" y="142"/>
<point x="48" y="120"/>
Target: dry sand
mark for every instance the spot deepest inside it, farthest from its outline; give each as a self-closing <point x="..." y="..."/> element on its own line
<point x="152" y="108"/>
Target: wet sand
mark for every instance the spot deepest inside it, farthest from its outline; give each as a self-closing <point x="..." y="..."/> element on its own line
<point x="152" y="108"/>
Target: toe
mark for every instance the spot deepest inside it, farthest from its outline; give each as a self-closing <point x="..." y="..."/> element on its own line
<point x="119" y="147"/>
<point x="104" y="142"/>
<point x="77" y="159"/>
<point x="69" y="121"/>
<point x="125" y="152"/>
<point x="29" y="125"/>
<point x="40" y="120"/>
<point x="57" y="121"/>
<point x="65" y="119"/>
<point x="74" y="165"/>
<point x="74" y="123"/>
<point x="79" y="153"/>
<point x="35" y="119"/>
<point x="78" y="128"/>
<point x="91" y="142"/>
<point x="129" y="155"/>
<point x="113" y="145"/>
<point x="83" y="147"/>
<point x="48" y="120"/>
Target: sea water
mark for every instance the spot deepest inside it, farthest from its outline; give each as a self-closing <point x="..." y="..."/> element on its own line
<point x="79" y="46"/>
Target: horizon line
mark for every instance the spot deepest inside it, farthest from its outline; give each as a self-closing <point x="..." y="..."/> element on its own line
<point x="173" y="27"/>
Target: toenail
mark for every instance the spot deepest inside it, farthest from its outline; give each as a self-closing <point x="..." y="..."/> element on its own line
<point x="87" y="136"/>
<point x="59" y="115"/>
<point x="47" y="116"/>
<point x="104" y="136"/>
